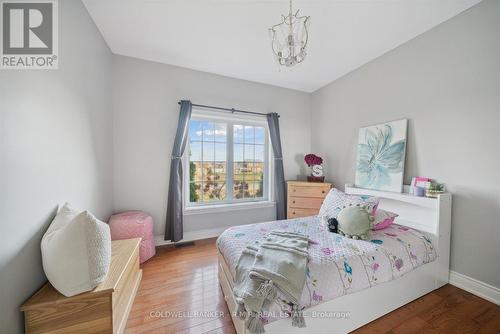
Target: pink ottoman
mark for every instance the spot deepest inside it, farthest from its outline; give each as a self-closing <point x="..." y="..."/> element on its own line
<point x="134" y="224"/>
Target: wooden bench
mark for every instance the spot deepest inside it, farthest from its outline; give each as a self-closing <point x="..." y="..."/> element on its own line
<point x="102" y="310"/>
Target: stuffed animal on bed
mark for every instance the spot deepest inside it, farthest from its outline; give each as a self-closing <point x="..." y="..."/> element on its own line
<point x="333" y="225"/>
<point x="354" y="222"/>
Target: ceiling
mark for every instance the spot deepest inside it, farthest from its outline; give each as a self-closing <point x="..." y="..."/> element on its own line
<point x="230" y="37"/>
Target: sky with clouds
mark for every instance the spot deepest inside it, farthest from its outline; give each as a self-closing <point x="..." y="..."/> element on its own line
<point x="208" y="140"/>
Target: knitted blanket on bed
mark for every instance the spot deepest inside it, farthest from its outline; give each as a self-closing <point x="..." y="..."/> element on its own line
<point x="276" y="263"/>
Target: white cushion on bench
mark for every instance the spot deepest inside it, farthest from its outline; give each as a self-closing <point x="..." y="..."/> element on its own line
<point x="76" y="251"/>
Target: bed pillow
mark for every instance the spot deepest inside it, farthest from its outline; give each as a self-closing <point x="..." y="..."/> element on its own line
<point x="383" y="219"/>
<point x="76" y="251"/>
<point x="336" y="200"/>
<point x="354" y="222"/>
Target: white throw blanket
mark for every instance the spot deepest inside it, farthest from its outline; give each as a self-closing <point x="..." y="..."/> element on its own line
<point x="275" y="263"/>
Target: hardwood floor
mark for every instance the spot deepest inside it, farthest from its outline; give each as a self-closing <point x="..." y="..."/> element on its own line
<point x="178" y="282"/>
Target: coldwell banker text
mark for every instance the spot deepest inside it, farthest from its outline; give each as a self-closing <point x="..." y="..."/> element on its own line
<point x="29" y="34"/>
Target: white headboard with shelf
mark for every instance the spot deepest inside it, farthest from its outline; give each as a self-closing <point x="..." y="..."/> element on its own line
<point x="431" y="215"/>
<point x="422" y="213"/>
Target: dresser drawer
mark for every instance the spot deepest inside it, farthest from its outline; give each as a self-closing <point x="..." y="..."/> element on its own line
<point x="305" y="198"/>
<point x="305" y="202"/>
<point x="297" y="213"/>
<point x="307" y="191"/>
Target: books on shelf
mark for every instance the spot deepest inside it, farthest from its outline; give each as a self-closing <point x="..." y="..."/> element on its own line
<point x="419" y="185"/>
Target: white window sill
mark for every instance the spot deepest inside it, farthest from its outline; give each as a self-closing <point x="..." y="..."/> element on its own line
<point x="217" y="208"/>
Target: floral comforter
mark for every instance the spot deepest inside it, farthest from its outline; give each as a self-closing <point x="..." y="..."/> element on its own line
<point x="337" y="265"/>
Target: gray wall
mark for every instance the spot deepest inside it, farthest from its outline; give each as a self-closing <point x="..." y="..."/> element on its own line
<point x="447" y="83"/>
<point x="145" y="121"/>
<point x="55" y="146"/>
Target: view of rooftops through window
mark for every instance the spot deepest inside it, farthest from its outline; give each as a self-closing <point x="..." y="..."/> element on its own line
<point x="210" y="179"/>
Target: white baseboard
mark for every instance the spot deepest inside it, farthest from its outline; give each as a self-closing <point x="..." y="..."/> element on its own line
<point x="478" y="288"/>
<point x="192" y="235"/>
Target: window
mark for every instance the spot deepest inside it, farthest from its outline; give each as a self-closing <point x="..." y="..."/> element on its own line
<point x="228" y="160"/>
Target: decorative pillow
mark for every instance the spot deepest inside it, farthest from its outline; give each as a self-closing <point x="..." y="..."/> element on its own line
<point x="76" y="251"/>
<point x="354" y="222"/>
<point x="336" y="200"/>
<point x="383" y="219"/>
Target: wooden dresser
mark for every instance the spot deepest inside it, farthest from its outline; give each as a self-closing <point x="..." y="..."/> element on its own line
<point x="102" y="310"/>
<point x="305" y="198"/>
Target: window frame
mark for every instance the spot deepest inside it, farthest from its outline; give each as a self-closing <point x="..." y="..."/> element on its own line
<point x="199" y="114"/>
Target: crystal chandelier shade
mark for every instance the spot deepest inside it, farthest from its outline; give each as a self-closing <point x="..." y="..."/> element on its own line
<point x="289" y="38"/>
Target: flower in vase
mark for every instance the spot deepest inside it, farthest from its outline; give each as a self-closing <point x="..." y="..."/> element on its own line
<point x="313" y="159"/>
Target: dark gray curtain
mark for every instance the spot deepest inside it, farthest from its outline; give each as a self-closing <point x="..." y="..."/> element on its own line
<point x="173" y="226"/>
<point x="279" y="175"/>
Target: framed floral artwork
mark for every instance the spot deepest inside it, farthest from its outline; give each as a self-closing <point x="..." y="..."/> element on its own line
<point x="381" y="156"/>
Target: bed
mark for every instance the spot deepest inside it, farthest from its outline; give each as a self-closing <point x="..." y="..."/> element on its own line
<point x="352" y="282"/>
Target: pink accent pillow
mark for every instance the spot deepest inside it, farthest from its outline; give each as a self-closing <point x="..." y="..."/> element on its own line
<point x="383" y="219"/>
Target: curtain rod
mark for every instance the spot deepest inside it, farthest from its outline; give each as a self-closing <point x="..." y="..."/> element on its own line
<point x="232" y="110"/>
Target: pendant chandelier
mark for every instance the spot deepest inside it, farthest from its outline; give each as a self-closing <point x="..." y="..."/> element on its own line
<point x="289" y="38"/>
